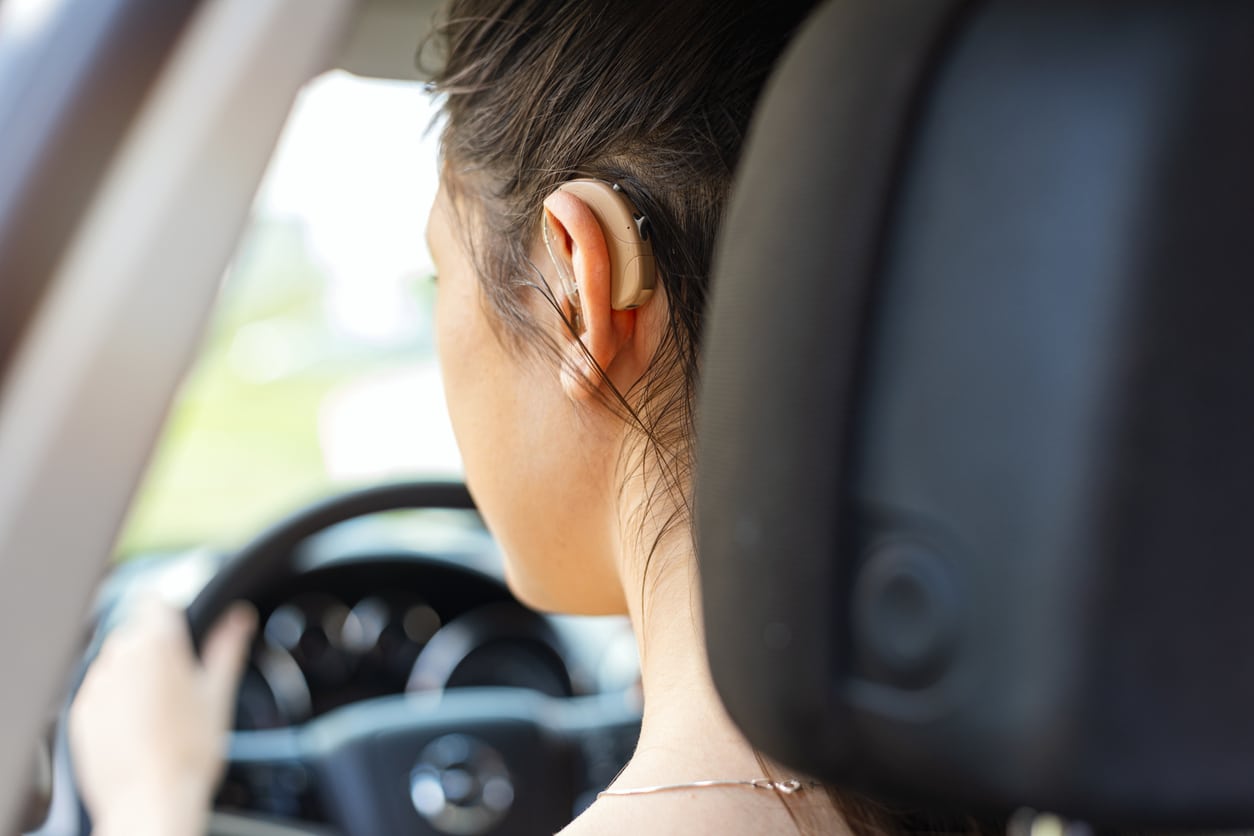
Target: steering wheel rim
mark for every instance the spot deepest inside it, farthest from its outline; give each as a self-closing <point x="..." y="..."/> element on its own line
<point x="270" y="556"/>
<point x="557" y="727"/>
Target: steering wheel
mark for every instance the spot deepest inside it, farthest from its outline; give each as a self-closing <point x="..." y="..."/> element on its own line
<point x="462" y="762"/>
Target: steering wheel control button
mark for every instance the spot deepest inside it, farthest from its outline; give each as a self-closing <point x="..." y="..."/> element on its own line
<point x="906" y="615"/>
<point x="461" y="786"/>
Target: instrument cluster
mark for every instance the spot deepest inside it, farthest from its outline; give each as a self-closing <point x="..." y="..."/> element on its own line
<point x="355" y="631"/>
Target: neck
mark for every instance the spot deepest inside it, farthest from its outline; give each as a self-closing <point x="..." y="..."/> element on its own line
<point x="686" y="734"/>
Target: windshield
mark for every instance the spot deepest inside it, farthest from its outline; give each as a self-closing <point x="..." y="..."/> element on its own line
<point x="318" y="371"/>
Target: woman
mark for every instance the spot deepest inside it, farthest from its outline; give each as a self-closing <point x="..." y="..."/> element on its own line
<point x="574" y="418"/>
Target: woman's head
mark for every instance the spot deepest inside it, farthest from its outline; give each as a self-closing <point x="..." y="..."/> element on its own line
<point x="578" y="441"/>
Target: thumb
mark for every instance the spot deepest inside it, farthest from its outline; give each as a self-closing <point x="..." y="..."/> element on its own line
<point x="225" y="651"/>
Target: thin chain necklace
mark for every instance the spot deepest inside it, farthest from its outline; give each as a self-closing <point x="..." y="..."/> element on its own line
<point x="788" y="787"/>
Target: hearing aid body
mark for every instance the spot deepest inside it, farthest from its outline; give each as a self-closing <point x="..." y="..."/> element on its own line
<point x="632" y="266"/>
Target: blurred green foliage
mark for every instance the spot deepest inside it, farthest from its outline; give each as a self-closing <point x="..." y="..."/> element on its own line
<point x="241" y="445"/>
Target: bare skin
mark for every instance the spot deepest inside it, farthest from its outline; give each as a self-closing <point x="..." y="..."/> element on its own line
<point x="596" y="564"/>
<point x="149" y="722"/>
<point x="549" y="465"/>
<point x="687" y="736"/>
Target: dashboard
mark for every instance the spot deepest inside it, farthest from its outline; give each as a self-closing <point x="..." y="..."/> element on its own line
<point x="390" y="638"/>
<point x="370" y="616"/>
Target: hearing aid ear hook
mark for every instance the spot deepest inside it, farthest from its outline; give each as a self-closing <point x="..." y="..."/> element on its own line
<point x="569" y="288"/>
<point x="633" y="270"/>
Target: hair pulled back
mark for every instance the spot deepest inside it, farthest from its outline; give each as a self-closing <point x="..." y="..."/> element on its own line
<point x="655" y="95"/>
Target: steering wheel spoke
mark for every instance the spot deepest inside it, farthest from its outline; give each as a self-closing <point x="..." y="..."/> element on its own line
<point x="242" y="824"/>
<point x="459" y="761"/>
<point x="465" y="761"/>
<point x="268" y="772"/>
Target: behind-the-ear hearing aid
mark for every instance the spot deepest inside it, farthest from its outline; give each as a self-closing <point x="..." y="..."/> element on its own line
<point x="633" y="270"/>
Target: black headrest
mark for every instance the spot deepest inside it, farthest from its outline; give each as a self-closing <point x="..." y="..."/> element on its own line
<point x="976" y="477"/>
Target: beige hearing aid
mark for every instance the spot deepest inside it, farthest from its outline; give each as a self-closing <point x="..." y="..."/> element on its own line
<point x="632" y="268"/>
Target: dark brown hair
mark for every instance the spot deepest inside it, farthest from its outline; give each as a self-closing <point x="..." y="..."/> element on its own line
<point x="654" y="95"/>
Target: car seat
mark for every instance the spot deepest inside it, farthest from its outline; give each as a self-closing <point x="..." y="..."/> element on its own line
<point x="975" y="495"/>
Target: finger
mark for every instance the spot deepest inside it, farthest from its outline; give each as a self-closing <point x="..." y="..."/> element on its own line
<point x="152" y="620"/>
<point x="226" y="650"/>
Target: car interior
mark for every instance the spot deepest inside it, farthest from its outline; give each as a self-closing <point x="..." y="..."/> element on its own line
<point x="980" y="551"/>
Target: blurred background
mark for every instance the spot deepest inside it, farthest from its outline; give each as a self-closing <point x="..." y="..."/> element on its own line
<point x="318" y="372"/>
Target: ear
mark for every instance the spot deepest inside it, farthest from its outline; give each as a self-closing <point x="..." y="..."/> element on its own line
<point x="577" y="242"/>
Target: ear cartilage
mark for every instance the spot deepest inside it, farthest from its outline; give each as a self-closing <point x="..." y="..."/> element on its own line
<point x="633" y="270"/>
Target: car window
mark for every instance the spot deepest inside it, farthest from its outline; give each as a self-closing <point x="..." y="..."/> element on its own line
<point x="24" y="25"/>
<point x="318" y="371"/>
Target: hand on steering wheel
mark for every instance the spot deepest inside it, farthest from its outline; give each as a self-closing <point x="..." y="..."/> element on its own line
<point x="150" y="720"/>
<point x="148" y="725"/>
